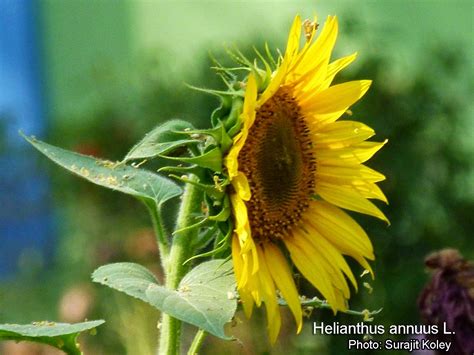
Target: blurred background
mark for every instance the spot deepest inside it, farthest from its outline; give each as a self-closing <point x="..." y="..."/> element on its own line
<point x="95" y="76"/>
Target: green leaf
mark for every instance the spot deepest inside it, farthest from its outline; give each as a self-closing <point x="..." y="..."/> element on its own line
<point x="140" y="183"/>
<point x="130" y="278"/>
<point x="204" y="298"/>
<point x="161" y="140"/>
<point x="60" y="335"/>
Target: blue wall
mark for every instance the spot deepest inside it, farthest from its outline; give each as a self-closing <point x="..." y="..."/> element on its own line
<point x="25" y="212"/>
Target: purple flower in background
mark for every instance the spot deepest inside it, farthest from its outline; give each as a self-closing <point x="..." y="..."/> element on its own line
<point x="447" y="301"/>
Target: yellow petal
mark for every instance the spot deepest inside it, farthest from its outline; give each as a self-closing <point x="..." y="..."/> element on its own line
<point x="269" y="297"/>
<point x="345" y="174"/>
<point x="341" y="134"/>
<point x="306" y="236"/>
<point x="247" y="117"/>
<point x="307" y="84"/>
<point x="245" y="295"/>
<point x="248" y="276"/>
<point x="250" y="101"/>
<point x="247" y="301"/>
<point x="348" y="198"/>
<point x="339" y="229"/>
<point x="249" y="251"/>
<point x="283" y="278"/>
<point x="337" y="98"/>
<point x="236" y="258"/>
<point x="242" y="229"/>
<point x="253" y="284"/>
<point x="335" y="67"/>
<point x="308" y="43"/>
<point x="231" y="160"/>
<point x="241" y="186"/>
<point x="318" y="120"/>
<point x="320" y="52"/>
<point x="240" y="213"/>
<point x="330" y="251"/>
<point x="368" y="190"/>
<point x="240" y="263"/>
<point x="365" y="265"/>
<point x="293" y="42"/>
<point x="275" y="83"/>
<point x="356" y="154"/>
<point x="311" y="268"/>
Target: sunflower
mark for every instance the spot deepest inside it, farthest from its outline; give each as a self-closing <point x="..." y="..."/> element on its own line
<point x="293" y="168"/>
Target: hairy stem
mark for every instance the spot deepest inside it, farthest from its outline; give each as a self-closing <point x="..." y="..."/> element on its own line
<point x="181" y="245"/>
<point x="197" y="342"/>
<point x="160" y="234"/>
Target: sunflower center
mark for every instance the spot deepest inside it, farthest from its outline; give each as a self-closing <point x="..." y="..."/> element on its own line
<point x="278" y="160"/>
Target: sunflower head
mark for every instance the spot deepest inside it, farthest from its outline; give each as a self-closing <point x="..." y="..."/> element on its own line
<point x="293" y="167"/>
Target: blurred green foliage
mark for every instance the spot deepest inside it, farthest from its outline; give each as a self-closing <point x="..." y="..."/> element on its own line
<point x="425" y="111"/>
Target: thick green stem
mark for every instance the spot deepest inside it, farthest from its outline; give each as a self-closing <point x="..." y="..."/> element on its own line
<point x="197" y="342"/>
<point x="175" y="270"/>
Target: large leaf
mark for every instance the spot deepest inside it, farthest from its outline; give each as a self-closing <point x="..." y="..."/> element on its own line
<point x="161" y="140"/>
<point x="130" y="278"/>
<point x="204" y="298"/>
<point x="140" y="183"/>
<point x="60" y="335"/>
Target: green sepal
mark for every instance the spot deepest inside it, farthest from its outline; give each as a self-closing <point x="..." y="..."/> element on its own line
<point x="211" y="159"/>
<point x="210" y="190"/>
<point x="194" y="169"/>
<point x="268" y="71"/>
<point x="163" y="148"/>
<point x="226" y="141"/>
<point x="205" y="237"/>
<point x="222" y="111"/>
<point x="225" y="240"/>
<point x="261" y="76"/>
<point x="162" y="139"/>
<point x="212" y="252"/>
<point x="222" y="245"/>
<point x="224" y="214"/>
<point x="233" y="121"/>
<point x="217" y="92"/>
<point x="196" y="225"/>
<point x="218" y="133"/>
<point x="239" y="57"/>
